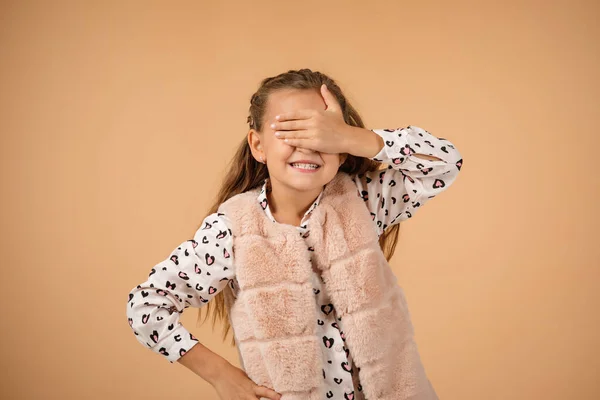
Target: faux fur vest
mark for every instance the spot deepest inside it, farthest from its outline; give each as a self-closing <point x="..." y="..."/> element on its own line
<point x="274" y="314"/>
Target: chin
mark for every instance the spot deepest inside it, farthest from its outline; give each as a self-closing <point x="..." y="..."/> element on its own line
<point x="309" y="181"/>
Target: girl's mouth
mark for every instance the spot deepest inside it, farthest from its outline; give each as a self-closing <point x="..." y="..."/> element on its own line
<point x="305" y="167"/>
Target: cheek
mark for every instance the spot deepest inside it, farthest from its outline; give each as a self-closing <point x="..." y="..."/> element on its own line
<point x="279" y="150"/>
<point x="331" y="159"/>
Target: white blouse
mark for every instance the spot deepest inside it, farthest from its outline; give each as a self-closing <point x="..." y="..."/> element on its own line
<point x="192" y="276"/>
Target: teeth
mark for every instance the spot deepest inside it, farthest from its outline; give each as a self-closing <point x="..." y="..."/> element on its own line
<point x="305" y="166"/>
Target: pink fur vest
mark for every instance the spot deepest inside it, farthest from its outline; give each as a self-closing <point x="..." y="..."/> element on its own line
<point x="274" y="314"/>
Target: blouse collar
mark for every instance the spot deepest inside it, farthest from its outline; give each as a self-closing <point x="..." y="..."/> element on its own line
<point x="264" y="203"/>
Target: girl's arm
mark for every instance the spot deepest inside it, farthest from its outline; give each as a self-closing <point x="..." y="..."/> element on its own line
<point x="193" y="274"/>
<point x="420" y="166"/>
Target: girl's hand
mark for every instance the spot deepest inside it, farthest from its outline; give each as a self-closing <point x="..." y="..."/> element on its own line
<point x="234" y="384"/>
<point x="322" y="131"/>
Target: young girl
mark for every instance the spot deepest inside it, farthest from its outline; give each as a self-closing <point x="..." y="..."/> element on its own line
<point x="294" y="254"/>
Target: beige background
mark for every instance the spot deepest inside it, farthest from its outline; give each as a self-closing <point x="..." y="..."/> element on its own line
<point x="117" y="119"/>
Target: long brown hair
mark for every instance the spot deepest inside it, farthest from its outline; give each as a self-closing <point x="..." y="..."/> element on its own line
<point x="245" y="173"/>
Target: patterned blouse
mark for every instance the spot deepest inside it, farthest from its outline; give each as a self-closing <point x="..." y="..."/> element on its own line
<point x="193" y="276"/>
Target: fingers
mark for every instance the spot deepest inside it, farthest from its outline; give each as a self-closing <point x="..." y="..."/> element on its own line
<point x="266" y="392"/>
<point x="296" y="125"/>
<point x="298" y="114"/>
<point x="293" y="135"/>
<point x="331" y="102"/>
<point x="302" y="143"/>
<point x="293" y="126"/>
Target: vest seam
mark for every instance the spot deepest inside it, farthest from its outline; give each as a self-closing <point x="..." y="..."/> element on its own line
<point x="268" y="286"/>
<point x="252" y="340"/>
<point x="373" y="305"/>
<point x="353" y="253"/>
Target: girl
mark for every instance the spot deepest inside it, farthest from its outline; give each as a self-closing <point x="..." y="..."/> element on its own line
<point x="293" y="255"/>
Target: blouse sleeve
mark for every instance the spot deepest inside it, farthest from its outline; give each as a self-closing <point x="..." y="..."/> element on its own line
<point x="191" y="275"/>
<point x="394" y="194"/>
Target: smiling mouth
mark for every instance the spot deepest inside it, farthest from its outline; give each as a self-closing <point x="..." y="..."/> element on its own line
<point x="305" y="166"/>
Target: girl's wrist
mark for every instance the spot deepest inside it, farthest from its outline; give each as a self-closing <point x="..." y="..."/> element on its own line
<point x="363" y="142"/>
<point x="221" y="371"/>
<point x="205" y="363"/>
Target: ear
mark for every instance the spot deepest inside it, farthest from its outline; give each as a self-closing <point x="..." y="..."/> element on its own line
<point x="255" y="143"/>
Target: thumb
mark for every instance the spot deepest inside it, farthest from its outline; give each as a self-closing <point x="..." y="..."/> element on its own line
<point x="330" y="100"/>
